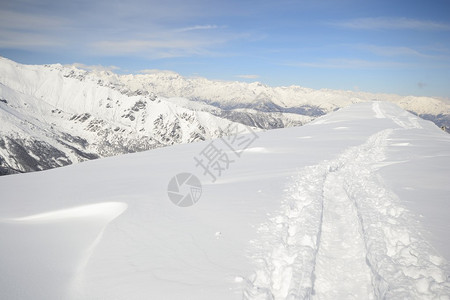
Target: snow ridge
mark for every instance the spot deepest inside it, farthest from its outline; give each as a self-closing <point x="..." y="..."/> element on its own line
<point x="340" y="220"/>
<point x="54" y="115"/>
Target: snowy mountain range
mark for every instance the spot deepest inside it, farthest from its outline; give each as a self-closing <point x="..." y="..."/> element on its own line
<point x="54" y="115"/>
<point x="353" y="205"/>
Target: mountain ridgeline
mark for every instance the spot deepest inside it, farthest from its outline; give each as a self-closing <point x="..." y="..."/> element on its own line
<point x="54" y="115"/>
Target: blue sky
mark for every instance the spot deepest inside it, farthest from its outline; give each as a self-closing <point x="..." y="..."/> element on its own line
<point x="390" y="46"/>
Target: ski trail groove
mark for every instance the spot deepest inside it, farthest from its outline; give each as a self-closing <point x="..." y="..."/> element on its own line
<point x="341" y="271"/>
<point x="341" y="234"/>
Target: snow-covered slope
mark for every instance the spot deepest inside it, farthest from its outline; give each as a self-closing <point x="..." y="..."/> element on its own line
<point x="50" y="118"/>
<point x="351" y="206"/>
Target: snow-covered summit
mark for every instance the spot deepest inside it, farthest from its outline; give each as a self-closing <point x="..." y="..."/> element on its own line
<point x="232" y="95"/>
<point x="54" y="115"/>
<point x="239" y="94"/>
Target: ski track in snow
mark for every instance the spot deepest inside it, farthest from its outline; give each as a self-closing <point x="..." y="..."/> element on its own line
<point x="341" y="234"/>
<point x="376" y="108"/>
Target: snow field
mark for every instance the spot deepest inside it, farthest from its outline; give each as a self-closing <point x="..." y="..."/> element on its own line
<point x="341" y="234"/>
<point x="350" y="206"/>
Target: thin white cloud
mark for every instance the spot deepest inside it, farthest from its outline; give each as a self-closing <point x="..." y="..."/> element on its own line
<point x="349" y="64"/>
<point x="28" y="21"/>
<point x="198" y="27"/>
<point x="391" y="51"/>
<point x="154" y="47"/>
<point x="393" y="23"/>
<point x="139" y="45"/>
<point x="248" y="76"/>
<point x="26" y="30"/>
<point x="166" y="43"/>
<point x="26" y="40"/>
<point x="120" y="29"/>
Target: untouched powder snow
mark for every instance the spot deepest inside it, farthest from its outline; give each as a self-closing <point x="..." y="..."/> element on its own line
<point x="351" y="206"/>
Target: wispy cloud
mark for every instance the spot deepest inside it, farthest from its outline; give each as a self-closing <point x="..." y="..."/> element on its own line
<point x="28" y="21"/>
<point x="27" y="40"/>
<point x="393" y="23"/>
<point x="156" y="47"/>
<point x="248" y="76"/>
<point x="119" y="30"/>
<point x="391" y="50"/>
<point x="26" y="30"/>
<point x="166" y="43"/>
<point x="199" y="27"/>
<point x="349" y="64"/>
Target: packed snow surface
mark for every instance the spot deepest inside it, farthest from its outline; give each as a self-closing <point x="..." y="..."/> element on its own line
<point x="351" y="206"/>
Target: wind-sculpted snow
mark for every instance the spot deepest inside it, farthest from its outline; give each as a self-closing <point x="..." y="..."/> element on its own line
<point x="86" y="222"/>
<point x="342" y="234"/>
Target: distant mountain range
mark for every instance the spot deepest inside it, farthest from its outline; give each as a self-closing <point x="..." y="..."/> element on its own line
<point x="54" y="115"/>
